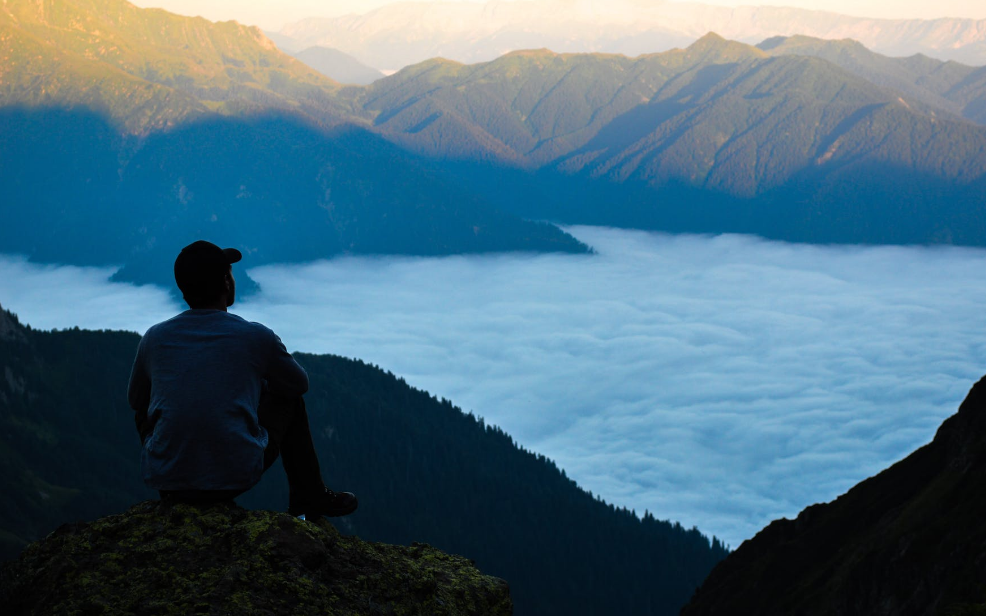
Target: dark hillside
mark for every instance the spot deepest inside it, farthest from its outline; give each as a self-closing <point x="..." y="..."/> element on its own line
<point x="278" y="187"/>
<point x="424" y="471"/>
<point x="909" y="541"/>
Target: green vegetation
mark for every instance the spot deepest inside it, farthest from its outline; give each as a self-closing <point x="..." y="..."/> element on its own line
<point x="717" y="137"/>
<point x="949" y="86"/>
<point x="160" y="129"/>
<point x="423" y="470"/>
<point x="719" y="115"/>
<point x="158" y="558"/>
<point x="146" y="68"/>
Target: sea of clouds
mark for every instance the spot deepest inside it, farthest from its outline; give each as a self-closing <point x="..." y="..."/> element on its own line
<point x="718" y="381"/>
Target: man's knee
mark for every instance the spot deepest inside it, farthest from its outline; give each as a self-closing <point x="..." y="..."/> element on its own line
<point x="276" y="414"/>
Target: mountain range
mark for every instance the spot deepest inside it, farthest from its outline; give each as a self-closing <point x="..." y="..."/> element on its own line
<point x="951" y="86"/>
<point x="147" y="69"/>
<point x="127" y="133"/>
<point x="423" y="469"/>
<point x="399" y="34"/>
<point x="721" y="136"/>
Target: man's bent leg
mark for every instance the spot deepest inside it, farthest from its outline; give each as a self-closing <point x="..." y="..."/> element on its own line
<point x="290" y="436"/>
<point x="286" y="421"/>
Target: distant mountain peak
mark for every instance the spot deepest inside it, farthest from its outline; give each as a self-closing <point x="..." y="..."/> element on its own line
<point x="532" y="53"/>
<point x="428" y="65"/>
<point x="713" y="44"/>
<point x="785" y="44"/>
<point x="403" y="33"/>
<point x="710" y="38"/>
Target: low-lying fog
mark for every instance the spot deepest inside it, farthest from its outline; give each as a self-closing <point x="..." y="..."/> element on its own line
<point x="718" y="381"/>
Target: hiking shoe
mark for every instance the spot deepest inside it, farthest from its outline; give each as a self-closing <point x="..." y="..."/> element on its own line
<point x="321" y="502"/>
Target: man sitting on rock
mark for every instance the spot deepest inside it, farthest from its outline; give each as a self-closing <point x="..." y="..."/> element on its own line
<point x="217" y="398"/>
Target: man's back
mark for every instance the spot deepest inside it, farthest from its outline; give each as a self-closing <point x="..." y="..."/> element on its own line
<point x="200" y="376"/>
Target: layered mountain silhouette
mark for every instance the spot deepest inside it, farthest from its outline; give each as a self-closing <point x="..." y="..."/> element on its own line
<point x="720" y="136"/>
<point x="391" y="37"/>
<point x="908" y="541"/>
<point x="127" y="133"/>
<point x="423" y="470"/>
<point x="951" y="86"/>
<point x="338" y="66"/>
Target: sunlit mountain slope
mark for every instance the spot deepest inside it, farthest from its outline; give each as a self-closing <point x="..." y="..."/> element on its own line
<point x="951" y="86"/>
<point x="127" y="133"/>
<point x="146" y="68"/>
<point x="720" y="136"/>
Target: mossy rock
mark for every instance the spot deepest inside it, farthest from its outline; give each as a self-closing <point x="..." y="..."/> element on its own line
<point x="160" y="558"/>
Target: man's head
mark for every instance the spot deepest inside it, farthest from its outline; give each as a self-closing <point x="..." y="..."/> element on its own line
<point x="204" y="274"/>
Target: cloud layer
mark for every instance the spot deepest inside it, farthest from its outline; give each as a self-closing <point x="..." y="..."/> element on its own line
<point x="719" y="381"/>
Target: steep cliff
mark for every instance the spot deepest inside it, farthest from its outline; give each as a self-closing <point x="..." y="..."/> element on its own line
<point x="909" y="541"/>
<point x="159" y="558"/>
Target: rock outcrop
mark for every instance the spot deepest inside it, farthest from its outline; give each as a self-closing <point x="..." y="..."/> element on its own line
<point x="160" y="558"/>
<point x="909" y="541"/>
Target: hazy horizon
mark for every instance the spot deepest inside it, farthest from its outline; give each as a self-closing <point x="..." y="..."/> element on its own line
<point x="274" y="16"/>
<point x="720" y="381"/>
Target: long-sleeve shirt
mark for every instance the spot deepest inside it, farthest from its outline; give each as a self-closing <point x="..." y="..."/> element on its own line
<point x="197" y="379"/>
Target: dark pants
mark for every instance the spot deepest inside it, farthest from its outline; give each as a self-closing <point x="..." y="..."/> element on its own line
<point x="289" y="436"/>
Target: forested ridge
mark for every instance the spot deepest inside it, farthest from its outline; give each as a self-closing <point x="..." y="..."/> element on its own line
<point x="126" y="133"/>
<point x="423" y="469"/>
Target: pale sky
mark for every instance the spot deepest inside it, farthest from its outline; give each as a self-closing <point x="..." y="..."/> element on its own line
<point x="274" y="14"/>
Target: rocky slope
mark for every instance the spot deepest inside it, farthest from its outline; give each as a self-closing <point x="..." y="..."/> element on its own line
<point x="159" y="558"/>
<point x="909" y="541"/>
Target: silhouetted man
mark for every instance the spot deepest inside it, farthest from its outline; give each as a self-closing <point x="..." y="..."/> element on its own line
<point x="217" y="398"/>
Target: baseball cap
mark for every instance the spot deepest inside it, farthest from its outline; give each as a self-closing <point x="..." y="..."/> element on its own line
<point x="201" y="268"/>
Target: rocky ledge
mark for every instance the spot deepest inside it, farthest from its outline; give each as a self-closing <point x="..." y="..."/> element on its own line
<point x="159" y="558"/>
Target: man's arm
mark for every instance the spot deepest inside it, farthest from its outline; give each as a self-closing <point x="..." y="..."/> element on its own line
<point x="285" y="376"/>
<point x="139" y="391"/>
